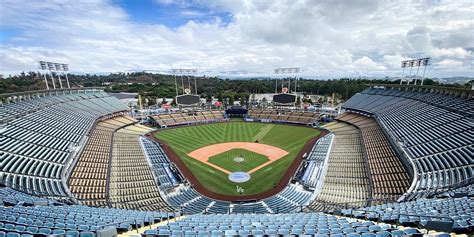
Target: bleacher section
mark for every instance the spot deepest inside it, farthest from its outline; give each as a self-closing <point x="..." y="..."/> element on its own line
<point x="88" y="181"/>
<point x="291" y="199"/>
<point x="167" y="120"/>
<point x="42" y="131"/>
<point x="452" y="214"/>
<point x="346" y="179"/>
<point x="433" y="131"/>
<point x="164" y="171"/>
<point x="283" y="116"/>
<point x="389" y="177"/>
<point x="70" y="220"/>
<point x="113" y="170"/>
<point x="132" y="185"/>
<point x="312" y="175"/>
<point x="273" y="225"/>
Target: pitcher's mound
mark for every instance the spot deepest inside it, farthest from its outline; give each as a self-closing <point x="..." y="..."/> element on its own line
<point x="239" y="177"/>
<point x="239" y="159"/>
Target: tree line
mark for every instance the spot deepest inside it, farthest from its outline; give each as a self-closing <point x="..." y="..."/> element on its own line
<point x="157" y="86"/>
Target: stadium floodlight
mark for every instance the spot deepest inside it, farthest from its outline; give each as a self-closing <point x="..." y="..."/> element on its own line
<point x="187" y="72"/>
<point x="288" y="70"/>
<point x="57" y="67"/>
<point x="420" y="62"/>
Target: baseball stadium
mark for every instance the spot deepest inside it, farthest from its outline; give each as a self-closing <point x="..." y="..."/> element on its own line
<point x="395" y="160"/>
<point x="209" y="118"/>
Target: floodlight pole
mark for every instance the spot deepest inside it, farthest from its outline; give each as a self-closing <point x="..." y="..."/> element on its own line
<point x="60" y="83"/>
<point x="195" y="85"/>
<point x="403" y="73"/>
<point x="176" y="84"/>
<point x="423" y="78"/>
<point x="52" y="79"/>
<point x="45" y="80"/>
<point x="67" y="79"/>
<point x="182" y="82"/>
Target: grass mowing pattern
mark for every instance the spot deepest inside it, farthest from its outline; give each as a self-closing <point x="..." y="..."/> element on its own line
<point x="186" y="139"/>
<point x="226" y="160"/>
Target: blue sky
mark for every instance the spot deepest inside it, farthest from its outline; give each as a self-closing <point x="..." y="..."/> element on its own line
<point x="170" y="15"/>
<point x="327" y="39"/>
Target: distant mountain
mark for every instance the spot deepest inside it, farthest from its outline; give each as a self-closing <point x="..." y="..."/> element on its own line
<point x="453" y="80"/>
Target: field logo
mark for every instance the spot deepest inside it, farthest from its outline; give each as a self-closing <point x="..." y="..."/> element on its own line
<point x="239" y="189"/>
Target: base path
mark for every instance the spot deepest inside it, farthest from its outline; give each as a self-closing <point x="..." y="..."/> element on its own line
<point x="271" y="152"/>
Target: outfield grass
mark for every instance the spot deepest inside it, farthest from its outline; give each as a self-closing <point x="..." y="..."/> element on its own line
<point x="186" y="139"/>
<point x="226" y="160"/>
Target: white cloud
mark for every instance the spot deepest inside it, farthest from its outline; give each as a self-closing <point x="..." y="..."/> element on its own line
<point x="325" y="38"/>
<point x="449" y="64"/>
<point x="367" y="64"/>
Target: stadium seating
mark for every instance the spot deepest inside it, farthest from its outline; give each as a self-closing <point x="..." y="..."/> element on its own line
<point x="162" y="167"/>
<point x="132" y="184"/>
<point x="283" y="116"/>
<point x="298" y="224"/>
<point x="71" y="220"/>
<point x="166" y="120"/>
<point x="312" y="174"/>
<point x="453" y="214"/>
<point x="290" y="199"/>
<point x="346" y="180"/>
<point x="40" y="134"/>
<point x="434" y="131"/>
<point x="113" y="170"/>
<point x="389" y="177"/>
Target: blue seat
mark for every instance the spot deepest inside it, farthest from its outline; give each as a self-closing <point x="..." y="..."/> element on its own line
<point x="368" y="235"/>
<point x="59" y="232"/>
<point x="59" y="225"/>
<point x="9" y="227"/>
<point x="353" y="235"/>
<point x="71" y="227"/>
<point x="72" y="233"/>
<point x="20" y="228"/>
<point x="32" y="229"/>
<point x="397" y="233"/>
<point x="12" y="234"/>
<point x="86" y="234"/>
<point x="375" y="228"/>
<point x="150" y="233"/>
<point x="44" y="231"/>
<point x="383" y="234"/>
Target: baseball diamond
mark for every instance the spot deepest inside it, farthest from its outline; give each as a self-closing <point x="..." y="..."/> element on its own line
<point x="194" y="145"/>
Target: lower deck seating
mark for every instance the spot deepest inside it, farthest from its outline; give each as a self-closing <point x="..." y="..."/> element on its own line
<point x="273" y="225"/>
<point x="188" y="118"/>
<point x="70" y="220"/>
<point x="346" y="178"/>
<point x="284" y="116"/>
<point x="456" y="213"/>
<point x="389" y="177"/>
<point x="88" y="181"/>
<point x="132" y="184"/>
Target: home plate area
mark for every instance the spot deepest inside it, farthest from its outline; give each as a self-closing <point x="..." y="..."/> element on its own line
<point x="239" y="177"/>
<point x="238" y="159"/>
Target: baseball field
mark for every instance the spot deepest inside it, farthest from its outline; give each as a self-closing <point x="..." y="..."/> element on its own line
<point x="213" y="152"/>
